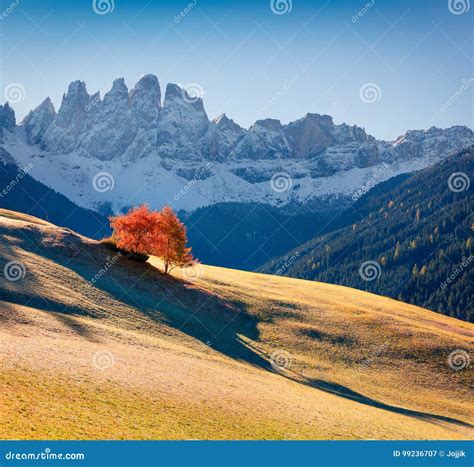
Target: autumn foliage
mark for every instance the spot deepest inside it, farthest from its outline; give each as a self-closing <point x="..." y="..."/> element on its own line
<point x="159" y="233"/>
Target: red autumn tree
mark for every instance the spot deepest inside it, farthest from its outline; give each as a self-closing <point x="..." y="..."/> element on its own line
<point x="147" y="232"/>
<point x="137" y="231"/>
<point x="174" y="250"/>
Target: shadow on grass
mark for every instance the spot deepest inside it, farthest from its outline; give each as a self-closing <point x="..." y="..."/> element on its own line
<point x="163" y="299"/>
<point x="8" y="313"/>
<point x="167" y="300"/>
<point x="347" y="393"/>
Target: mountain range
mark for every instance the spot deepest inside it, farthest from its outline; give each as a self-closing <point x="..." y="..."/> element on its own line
<point x="247" y="196"/>
<point x="142" y="148"/>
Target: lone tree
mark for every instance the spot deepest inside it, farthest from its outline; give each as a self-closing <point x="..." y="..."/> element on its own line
<point x="145" y="232"/>
<point x="173" y="248"/>
<point x="137" y="231"/>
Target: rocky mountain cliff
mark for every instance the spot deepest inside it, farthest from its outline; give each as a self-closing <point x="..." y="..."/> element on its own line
<point x="168" y="151"/>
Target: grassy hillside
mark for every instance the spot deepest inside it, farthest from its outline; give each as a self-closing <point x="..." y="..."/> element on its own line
<point x="416" y="229"/>
<point x="95" y="346"/>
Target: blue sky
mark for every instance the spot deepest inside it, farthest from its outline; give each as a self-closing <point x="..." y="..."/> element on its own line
<point x="252" y="63"/>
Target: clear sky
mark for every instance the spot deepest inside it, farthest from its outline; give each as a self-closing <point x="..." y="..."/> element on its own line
<point x="414" y="57"/>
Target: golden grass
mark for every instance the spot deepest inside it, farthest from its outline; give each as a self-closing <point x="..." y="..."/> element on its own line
<point x="191" y="359"/>
<point x="23" y="217"/>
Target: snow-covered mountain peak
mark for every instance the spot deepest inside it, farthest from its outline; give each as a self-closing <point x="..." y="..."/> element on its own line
<point x="47" y="106"/>
<point x="225" y="122"/>
<point x="73" y="105"/>
<point x="221" y="136"/>
<point x="75" y="88"/>
<point x="311" y="134"/>
<point x="271" y="124"/>
<point x="182" y="123"/>
<point x="172" y="90"/>
<point x="320" y="119"/>
<point x="115" y="100"/>
<point x="175" y="94"/>
<point x="157" y="148"/>
<point x="118" y="89"/>
<point x="148" y="87"/>
<point x="38" y="121"/>
<point x="145" y="101"/>
<point x="265" y="139"/>
<point x="7" y="117"/>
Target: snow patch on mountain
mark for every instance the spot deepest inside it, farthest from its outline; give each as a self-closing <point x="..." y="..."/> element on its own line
<point x="153" y="181"/>
<point x="171" y="153"/>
